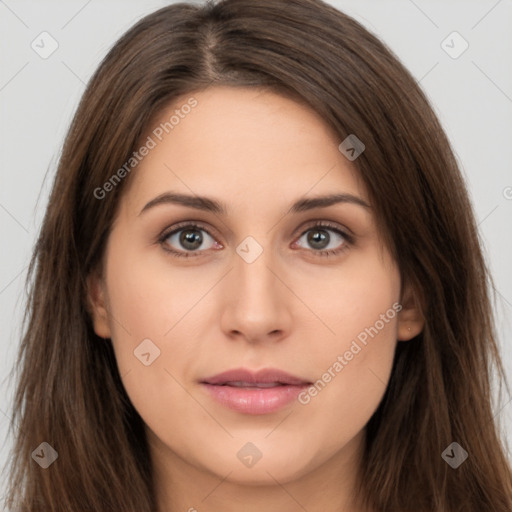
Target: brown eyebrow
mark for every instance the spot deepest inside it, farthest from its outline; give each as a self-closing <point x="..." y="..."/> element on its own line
<point x="211" y="205"/>
<point x="324" y="201"/>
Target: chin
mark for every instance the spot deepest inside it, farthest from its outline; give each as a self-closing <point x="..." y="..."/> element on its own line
<point x="276" y="466"/>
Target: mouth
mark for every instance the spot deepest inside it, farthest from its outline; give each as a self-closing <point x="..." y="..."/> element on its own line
<point x="260" y="392"/>
<point x="238" y="384"/>
<point x="267" y="377"/>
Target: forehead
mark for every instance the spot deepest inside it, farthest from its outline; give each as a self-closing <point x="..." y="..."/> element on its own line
<point x="248" y="146"/>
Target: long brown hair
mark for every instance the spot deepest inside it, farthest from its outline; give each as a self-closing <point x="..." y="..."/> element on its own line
<point x="69" y="393"/>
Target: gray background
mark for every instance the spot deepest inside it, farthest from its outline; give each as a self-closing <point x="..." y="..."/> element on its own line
<point x="472" y="95"/>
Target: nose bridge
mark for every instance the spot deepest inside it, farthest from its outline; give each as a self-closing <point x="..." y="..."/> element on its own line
<point x="256" y="306"/>
<point x="252" y="274"/>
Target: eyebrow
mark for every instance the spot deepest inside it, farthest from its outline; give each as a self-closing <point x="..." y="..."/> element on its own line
<point x="211" y="205"/>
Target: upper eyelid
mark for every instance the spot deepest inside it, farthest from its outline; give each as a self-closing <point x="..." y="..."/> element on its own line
<point x="311" y="224"/>
<point x="183" y="225"/>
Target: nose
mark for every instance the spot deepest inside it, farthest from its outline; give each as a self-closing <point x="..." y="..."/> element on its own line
<point x="256" y="302"/>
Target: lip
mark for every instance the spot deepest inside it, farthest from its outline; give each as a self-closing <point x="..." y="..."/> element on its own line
<point x="238" y="389"/>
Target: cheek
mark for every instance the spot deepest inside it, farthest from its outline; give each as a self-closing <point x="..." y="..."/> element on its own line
<point x="353" y="363"/>
<point x="149" y="299"/>
<point x="154" y="311"/>
<point x="353" y="297"/>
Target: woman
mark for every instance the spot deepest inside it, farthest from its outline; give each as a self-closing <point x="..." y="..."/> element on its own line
<point x="258" y="283"/>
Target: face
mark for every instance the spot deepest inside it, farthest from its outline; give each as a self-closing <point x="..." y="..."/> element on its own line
<point x="189" y="291"/>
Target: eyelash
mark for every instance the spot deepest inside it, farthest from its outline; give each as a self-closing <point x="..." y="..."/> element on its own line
<point x="348" y="239"/>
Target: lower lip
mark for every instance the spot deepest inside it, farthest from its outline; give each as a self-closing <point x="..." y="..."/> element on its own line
<point x="254" y="400"/>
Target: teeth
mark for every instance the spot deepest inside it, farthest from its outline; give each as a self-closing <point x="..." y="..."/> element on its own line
<point x="253" y="384"/>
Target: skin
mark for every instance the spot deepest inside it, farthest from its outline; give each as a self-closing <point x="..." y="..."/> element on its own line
<point x="256" y="152"/>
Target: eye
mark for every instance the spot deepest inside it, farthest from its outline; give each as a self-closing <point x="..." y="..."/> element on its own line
<point x="186" y="239"/>
<point x="189" y="240"/>
<point x="326" y="239"/>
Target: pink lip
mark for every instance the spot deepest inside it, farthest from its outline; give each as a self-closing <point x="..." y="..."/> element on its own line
<point x="254" y="400"/>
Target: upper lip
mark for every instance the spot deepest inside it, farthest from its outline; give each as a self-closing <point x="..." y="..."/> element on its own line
<point x="263" y="376"/>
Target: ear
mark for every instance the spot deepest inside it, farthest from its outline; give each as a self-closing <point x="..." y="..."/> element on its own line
<point x="410" y="317"/>
<point x="97" y="305"/>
